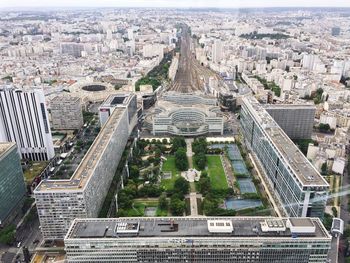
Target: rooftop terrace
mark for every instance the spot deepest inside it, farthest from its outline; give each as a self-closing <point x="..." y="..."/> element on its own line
<point x="299" y="164"/>
<point x="87" y="166"/>
<point x="5" y="146"/>
<point x="172" y="227"/>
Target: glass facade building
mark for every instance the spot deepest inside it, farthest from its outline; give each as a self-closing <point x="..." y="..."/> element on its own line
<point x="12" y="187"/>
<point x="298" y="187"/>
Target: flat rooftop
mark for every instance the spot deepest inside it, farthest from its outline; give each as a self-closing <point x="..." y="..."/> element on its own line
<point x="290" y="106"/>
<point x="87" y="166"/>
<point x="304" y="171"/>
<point x="118" y="99"/>
<point x="5" y="146"/>
<point x="173" y="227"/>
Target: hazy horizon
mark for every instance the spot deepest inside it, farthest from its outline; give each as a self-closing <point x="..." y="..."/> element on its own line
<point x="172" y="3"/>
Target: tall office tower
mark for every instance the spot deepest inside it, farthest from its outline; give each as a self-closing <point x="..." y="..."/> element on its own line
<point x="73" y="49"/>
<point x="335" y="31"/>
<point x="24" y="120"/>
<point x="66" y="113"/>
<point x="12" y="187"/>
<point x="59" y="202"/>
<point x="297" y="186"/>
<point x="217" y="51"/>
<point x="309" y="61"/>
<point x="130" y="33"/>
<point x="198" y="239"/>
<point x="296" y="120"/>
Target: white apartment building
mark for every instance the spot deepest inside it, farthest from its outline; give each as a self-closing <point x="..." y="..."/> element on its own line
<point x="24" y="120"/>
<point x="66" y="113"/>
<point x="59" y="202"/>
<point x="217" y="51"/>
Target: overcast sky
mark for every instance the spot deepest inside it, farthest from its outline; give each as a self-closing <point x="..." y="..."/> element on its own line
<point x="174" y="3"/>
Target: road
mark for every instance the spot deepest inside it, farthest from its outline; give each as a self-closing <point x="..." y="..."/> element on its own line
<point x="27" y="234"/>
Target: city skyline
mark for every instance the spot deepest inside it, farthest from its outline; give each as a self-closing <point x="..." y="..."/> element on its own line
<point x="174" y="4"/>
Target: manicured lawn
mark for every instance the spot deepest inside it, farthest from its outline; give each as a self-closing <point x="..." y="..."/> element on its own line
<point x="169" y="166"/>
<point x="216" y="172"/>
<point x="140" y="205"/>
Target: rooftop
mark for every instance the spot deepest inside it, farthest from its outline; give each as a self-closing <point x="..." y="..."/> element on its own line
<point x="298" y="163"/>
<point x="87" y="166"/>
<point x="5" y="146"/>
<point x="116" y="100"/>
<point x="235" y="227"/>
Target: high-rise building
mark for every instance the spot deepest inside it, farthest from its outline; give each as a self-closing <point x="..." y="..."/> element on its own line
<point x="66" y="113"/>
<point x="59" y="202"/>
<point x="24" y="120"/>
<point x="73" y="49"/>
<point x="297" y="186"/>
<point x="296" y="120"/>
<point x="198" y="239"/>
<point x="217" y="51"/>
<point x="335" y="31"/>
<point x="12" y="187"/>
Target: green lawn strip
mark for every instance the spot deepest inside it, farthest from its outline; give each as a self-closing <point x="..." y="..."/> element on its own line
<point x="34" y="170"/>
<point x="169" y="166"/>
<point x="161" y="212"/>
<point x="216" y="172"/>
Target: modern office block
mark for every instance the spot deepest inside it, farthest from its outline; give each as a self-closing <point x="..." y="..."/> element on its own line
<point x="59" y="202"/>
<point x="296" y="120"/>
<point x="24" y="120"/>
<point x="298" y="187"/>
<point x="12" y="187"/>
<point x="198" y="239"/>
<point x="66" y="113"/>
<point x="116" y="101"/>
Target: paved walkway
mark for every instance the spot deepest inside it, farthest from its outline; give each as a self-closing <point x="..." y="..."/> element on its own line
<point x="189" y="152"/>
<point x="193" y="204"/>
<point x="193" y="193"/>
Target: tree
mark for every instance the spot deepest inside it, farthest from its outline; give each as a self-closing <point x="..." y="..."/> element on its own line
<point x="134" y="172"/>
<point x="181" y="161"/>
<point x="177" y="142"/>
<point x="199" y="145"/>
<point x="204" y="184"/>
<point x="7" y="235"/>
<point x="163" y="202"/>
<point x="157" y="153"/>
<point x="200" y="160"/>
<point x="177" y="206"/>
<point x="324" y="127"/>
<point x="182" y="186"/>
<point x="324" y="168"/>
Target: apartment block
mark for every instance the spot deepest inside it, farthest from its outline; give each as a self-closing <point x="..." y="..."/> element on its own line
<point x="66" y="113"/>
<point x="59" y="202"/>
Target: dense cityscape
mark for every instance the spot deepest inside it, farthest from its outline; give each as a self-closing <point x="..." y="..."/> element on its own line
<point x="175" y="135"/>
